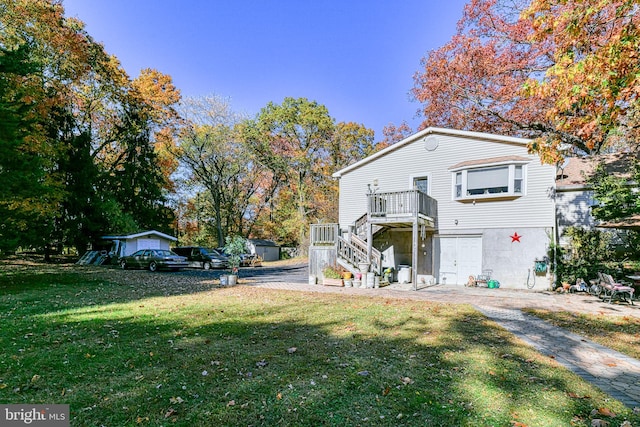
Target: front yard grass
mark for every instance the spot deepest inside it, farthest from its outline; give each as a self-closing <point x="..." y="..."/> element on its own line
<point x="149" y="353"/>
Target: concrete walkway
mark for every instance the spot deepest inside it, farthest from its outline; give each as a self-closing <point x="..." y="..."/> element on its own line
<point x="614" y="373"/>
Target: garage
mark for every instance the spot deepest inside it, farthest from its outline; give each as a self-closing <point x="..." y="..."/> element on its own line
<point x="460" y="257"/>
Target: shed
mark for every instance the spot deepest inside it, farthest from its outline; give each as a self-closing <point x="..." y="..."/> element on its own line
<point x="123" y="245"/>
<point x="265" y="249"/>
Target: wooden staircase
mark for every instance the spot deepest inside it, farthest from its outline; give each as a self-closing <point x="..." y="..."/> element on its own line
<point x="385" y="210"/>
<point x="353" y="253"/>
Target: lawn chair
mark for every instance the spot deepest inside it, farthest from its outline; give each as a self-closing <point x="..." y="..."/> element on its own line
<point x="612" y="289"/>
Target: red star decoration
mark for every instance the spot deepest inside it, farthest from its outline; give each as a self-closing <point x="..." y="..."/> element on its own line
<point x="516" y="237"/>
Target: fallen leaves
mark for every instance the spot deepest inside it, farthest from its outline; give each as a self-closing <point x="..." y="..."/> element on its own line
<point x="406" y="380"/>
<point x="604" y="412"/>
<point x="576" y="396"/>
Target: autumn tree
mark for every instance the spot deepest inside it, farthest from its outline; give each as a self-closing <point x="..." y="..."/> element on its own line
<point x="290" y="139"/>
<point x="27" y="198"/>
<point x="563" y="73"/>
<point x="301" y="146"/>
<point x="594" y="81"/>
<point x="91" y="127"/>
<point x="350" y="143"/>
<point x="392" y="133"/>
<point x="218" y="166"/>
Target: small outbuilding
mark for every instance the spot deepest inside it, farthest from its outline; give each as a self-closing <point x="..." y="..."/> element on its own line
<point x="124" y="245"/>
<point x="265" y="249"/>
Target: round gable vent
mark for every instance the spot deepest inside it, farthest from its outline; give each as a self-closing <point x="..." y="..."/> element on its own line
<point x="431" y="143"/>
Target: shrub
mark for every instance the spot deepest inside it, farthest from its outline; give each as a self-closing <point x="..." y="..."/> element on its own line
<point x="590" y="251"/>
<point x="235" y="247"/>
<point x="332" y="272"/>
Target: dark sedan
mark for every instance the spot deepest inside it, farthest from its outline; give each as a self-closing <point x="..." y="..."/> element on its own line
<point x="154" y="259"/>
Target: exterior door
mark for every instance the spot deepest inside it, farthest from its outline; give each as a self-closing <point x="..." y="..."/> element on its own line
<point x="460" y="257"/>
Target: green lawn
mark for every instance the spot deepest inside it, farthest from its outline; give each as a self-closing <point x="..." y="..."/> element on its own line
<point x="150" y="353"/>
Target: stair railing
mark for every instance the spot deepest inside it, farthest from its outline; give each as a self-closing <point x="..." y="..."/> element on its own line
<point x="354" y="252"/>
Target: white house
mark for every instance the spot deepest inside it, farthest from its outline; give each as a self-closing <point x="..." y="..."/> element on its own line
<point x="448" y="204"/>
<point x="123" y="245"/>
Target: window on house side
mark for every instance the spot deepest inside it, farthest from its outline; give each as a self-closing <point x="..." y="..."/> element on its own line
<point x="518" y="179"/>
<point x="490" y="181"/>
<point x="421" y="184"/>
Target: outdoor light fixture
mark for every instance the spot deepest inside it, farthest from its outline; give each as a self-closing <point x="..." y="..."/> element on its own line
<point x="372" y="189"/>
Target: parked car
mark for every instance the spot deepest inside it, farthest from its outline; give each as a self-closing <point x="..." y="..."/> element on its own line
<point x="199" y="257"/>
<point x="246" y="260"/>
<point x="153" y="259"/>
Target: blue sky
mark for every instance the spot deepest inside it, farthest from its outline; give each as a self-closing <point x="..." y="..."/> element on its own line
<point x="356" y="57"/>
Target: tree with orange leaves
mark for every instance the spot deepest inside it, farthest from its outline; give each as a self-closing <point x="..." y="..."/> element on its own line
<point x="562" y="73"/>
<point x="92" y="129"/>
<point x="594" y="80"/>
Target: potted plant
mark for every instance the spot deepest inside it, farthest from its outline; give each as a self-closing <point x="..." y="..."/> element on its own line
<point x="235" y="247"/>
<point x="357" y="281"/>
<point x="332" y="276"/>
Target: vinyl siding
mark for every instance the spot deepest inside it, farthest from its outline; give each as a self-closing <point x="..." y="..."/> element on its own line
<point x="394" y="170"/>
<point x="574" y="209"/>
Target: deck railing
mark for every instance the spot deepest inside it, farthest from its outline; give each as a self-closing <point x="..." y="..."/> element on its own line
<point x="410" y="202"/>
<point x="353" y="252"/>
<point x="324" y="234"/>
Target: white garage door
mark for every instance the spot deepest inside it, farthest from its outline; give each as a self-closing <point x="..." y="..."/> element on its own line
<point x="460" y="257"/>
<point x="148" y="244"/>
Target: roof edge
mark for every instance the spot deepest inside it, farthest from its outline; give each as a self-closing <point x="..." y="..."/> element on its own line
<point x="428" y="131"/>
<point x="140" y="234"/>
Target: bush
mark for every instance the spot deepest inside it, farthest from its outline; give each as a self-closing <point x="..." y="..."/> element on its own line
<point x="590" y="251"/>
<point x="235" y="247"/>
<point x="332" y="272"/>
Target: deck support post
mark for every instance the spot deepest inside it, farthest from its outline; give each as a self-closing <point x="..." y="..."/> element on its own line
<point x="414" y="254"/>
<point x="369" y="240"/>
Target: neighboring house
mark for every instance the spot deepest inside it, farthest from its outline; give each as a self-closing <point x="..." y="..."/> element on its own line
<point x="447" y="203"/>
<point x="574" y="197"/>
<point x="127" y="244"/>
<point x="265" y="249"/>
